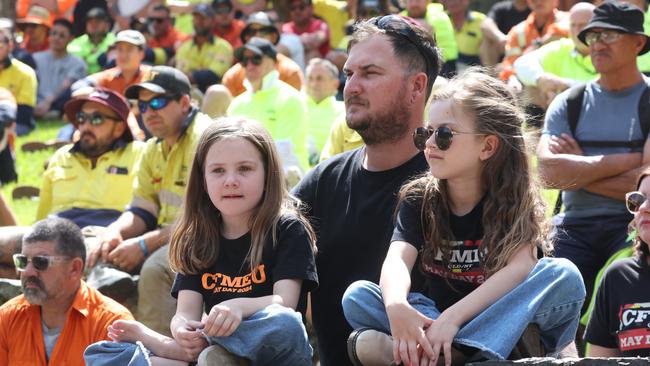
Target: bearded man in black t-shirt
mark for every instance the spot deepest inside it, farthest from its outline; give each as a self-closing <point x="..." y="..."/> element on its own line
<point x="350" y="198"/>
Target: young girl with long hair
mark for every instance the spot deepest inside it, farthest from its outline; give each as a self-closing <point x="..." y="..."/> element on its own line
<point x="242" y="251"/>
<point x="618" y="325"/>
<point x="473" y="224"/>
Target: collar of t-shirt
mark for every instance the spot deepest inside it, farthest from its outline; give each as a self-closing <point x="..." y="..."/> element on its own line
<point x="267" y="82"/>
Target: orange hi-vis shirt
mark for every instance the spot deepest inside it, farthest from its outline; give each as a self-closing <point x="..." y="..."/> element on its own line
<point x="114" y="79"/>
<point x="21" y="335"/>
<point x="522" y="36"/>
<point x="288" y="69"/>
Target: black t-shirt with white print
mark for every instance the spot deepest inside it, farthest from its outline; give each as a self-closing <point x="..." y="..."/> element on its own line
<point x="231" y="277"/>
<point x="446" y="282"/>
<point x="621" y="316"/>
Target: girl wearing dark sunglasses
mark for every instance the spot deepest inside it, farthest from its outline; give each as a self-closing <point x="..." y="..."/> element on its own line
<point x="622" y="302"/>
<point x="473" y="226"/>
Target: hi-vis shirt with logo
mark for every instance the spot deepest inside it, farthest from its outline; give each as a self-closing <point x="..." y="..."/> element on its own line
<point x="220" y="282"/>
<point x="464" y="263"/>
<point x="634" y="326"/>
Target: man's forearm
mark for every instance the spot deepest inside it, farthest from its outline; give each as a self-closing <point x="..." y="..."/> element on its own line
<point x="129" y="225"/>
<point x="491" y="31"/>
<point x="567" y="171"/>
<point x="157" y="238"/>
<point x="615" y="187"/>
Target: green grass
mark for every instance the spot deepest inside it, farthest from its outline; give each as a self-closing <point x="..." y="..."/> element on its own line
<point x="30" y="170"/>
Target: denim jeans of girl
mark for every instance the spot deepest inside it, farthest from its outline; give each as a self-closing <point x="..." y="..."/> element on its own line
<point x="274" y="335"/>
<point x="550" y="296"/>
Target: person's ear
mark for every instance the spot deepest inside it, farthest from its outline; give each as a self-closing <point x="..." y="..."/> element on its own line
<point x="641" y="41"/>
<point x="419" y="85"/>
<point x="118" y="131"/>
<point x="186" y="102"/>
<point x="490" y="147"/>
<point x="77" y="267"/>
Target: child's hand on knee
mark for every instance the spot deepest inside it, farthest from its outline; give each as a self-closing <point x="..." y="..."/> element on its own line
<point x="191" y="339"/>
<point x="441" y="335"/>
<point x="407" y="325"/>
<point x="223" y="320"/>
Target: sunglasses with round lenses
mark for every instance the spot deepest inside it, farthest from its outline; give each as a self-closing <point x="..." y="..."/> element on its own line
<point x="634" y="200"/>
<point x="40" y="262"/>
<point x="607" y="37"/>
<point x="155" y="104"/>
<point x="94" y="118"/>
<point x="442" y="136"/>
<point x="256" y="60"/>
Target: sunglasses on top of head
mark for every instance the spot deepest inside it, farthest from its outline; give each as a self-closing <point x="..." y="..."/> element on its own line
<point x="442" y="136"/>
<point x="40" y="262"/>
<point x="156" y="103"/>
<point x="634" y="200"/>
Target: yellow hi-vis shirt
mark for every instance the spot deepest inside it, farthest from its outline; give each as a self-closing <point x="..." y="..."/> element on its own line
<point x="70" y="181"/>
<point x="159" y="187"/>
<point x="321" y="117"/>
<point x="281" y="109"/>
<point x="469" y="39"/>
<point x="20" y="80"/>
<point x="216" y="55"/>
<point x="341" y="139"/>
<point x="443" y="31"/>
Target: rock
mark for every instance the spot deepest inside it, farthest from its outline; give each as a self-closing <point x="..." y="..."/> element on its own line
<point x="548" y="361"/>
<point x="9" y="289"/>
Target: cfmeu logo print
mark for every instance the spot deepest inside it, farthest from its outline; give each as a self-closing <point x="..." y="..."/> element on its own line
<point x="219" y="282"/>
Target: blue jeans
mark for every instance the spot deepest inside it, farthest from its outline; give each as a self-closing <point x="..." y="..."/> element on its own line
<point x="274" y="335"/>
<point x="550" y="297"/>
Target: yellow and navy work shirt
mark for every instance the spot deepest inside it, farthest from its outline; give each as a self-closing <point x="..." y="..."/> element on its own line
<point x="159" y="187"/>
<point x="443" y="31"/>
<point x="215" y="55"/>
<point x="341" y="139"/>
<point x="469" y="39"/>
<point x="321" y="117"/>
<point x="20" y="80"/>
<point x="281" y="109"/>
<point x="71" y="181"/>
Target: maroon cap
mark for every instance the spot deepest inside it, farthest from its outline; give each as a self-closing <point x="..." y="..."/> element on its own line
<point x="109" y="98"/>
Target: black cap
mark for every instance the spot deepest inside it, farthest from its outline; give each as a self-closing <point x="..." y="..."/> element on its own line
<point x="97" y="13"/>
<point x="618" y="16"/>
<point x="259" y="46"/>
<point x="204" y="9"/>
<point x="259" y="18"/>
<point x="161" y="80"/>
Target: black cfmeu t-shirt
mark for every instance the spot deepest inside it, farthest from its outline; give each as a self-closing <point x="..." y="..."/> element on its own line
<point x="231" y="277"/>
<point x="351" y="210"/>
<point x="446" y="282"/>
<point x="621" y="317"/>
<point x="506" y="16"/>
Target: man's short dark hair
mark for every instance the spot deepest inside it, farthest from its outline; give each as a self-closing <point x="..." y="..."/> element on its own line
<point x="65" y="23"/>
<point x="412" y="44"/>
<point x="64" y="233"/>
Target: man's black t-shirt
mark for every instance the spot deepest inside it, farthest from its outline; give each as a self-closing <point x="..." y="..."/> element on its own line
<point x="231" y="277"/>
<point x="451" y="281"/>
<point x="351" y="210"/>
<point x="621" y="317"/>
<point x="506" y="16"/>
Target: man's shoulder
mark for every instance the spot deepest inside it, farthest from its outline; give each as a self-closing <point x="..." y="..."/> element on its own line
<point x="15" y="306"/>
<point x="22" y="68"/>
<point x="338" y="165"/>
<point x="287" y="65"/>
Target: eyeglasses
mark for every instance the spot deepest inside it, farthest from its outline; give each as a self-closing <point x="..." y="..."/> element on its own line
<point x="607" y="37"/>
<point x="399" y="25"/>
<point x="256" y="60"/>
<point x="634" y="200"/>
<point x="54" y="33"/>
<point x="442" y="136"/>
<point x="94" y="118"/>
<point x="40" y="262"/>
<point x="156" y="103"/>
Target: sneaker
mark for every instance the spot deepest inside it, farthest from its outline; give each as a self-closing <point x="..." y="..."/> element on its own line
<point x="216" y="355"/>
<point x="368" y="347"/>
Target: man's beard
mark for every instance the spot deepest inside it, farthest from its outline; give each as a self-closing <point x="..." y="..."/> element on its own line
<point x="388" y="125"/>
<point x="92" y="149"/>
<point x="35" y="296"/>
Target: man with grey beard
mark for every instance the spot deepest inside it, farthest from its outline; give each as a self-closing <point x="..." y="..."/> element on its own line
<point x="350" y="197"/>
<point x="58" y="315"/>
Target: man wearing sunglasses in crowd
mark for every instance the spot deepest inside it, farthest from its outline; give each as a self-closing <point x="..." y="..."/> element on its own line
<point x="260" y="25"/>
<point x="164" y="39"/>
<point x="58" y="315"/>
<point x="597" y="161"/>
<point x="281" y="109"/>
<point x="137" y="240"/>
<point x="225" y="24"/>
<point x="314" y="33"/>
<point x="350" y="198"/>
<point x="56" y="70"/>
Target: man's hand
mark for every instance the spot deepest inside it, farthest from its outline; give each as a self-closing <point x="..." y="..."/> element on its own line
<point x="128" y="255"/>
<point x="109" y="240"/>
<point x="564" y="144"/>
<point x="514" y="84"/>
<point x="551" y="83"/>
<point x="42" y="107"/>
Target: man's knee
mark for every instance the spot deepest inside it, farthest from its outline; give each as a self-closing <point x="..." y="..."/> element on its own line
<point x="216" y="101"/>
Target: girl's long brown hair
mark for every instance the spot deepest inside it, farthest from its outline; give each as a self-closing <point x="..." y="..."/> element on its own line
<point x="513" y="211"/>
<point x="194" y="243"/>
<point x="640" y="247"/>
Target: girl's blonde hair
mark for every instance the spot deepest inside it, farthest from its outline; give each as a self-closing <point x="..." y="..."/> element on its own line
<point x="513" y="211"/>
<point x="194" y="243"/>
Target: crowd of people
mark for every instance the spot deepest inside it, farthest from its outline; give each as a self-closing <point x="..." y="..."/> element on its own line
<point x="244" y="180"/>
